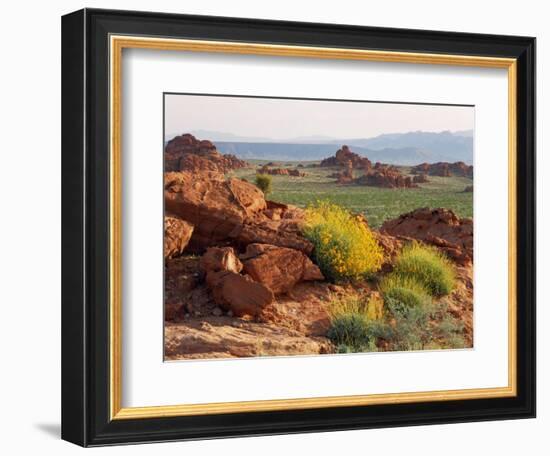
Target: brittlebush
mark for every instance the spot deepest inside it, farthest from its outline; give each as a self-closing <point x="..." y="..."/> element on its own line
<point x="345" y="248"/>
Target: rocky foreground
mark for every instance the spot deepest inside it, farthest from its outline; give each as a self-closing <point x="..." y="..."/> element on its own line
<point x="239" y="280"/>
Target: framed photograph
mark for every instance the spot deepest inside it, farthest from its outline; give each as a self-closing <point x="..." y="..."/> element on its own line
<point x="278" y="227"/>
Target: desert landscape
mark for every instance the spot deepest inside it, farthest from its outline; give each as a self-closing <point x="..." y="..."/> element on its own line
<point x="333" y="253"/>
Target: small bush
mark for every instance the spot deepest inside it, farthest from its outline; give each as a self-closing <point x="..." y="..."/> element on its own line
<point x="427" y="266"/>
<point x="404" y="290"/>
<point x="347" y="305"/>
<point x="354" y="333"/>
<point x="410" y="328"/>
<point x="345" y="248"/>
<point x="264" y="183"/>
<point x="356" y="323"/>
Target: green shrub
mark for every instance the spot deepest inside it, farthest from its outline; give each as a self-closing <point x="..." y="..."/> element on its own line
<point x="427" y="266"/>
<point x="354" y="333"/>
<point x="264" y="183"/>
<point x="405" y="290"/>
<point x="410" y="329"/>
<point x="356" y="323"/>
<point x="345" y="248"/>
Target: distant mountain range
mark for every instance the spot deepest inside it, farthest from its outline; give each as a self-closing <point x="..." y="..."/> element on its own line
<point x="409" y="148"/>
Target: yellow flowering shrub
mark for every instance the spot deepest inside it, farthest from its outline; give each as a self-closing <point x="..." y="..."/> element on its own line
<point x="345" y="248"/>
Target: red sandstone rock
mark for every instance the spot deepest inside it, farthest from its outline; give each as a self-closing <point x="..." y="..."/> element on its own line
<point x="439" y="227"/>
<point x="177" y="233"/>
<point x="280" y="171"/>
<point x="278" y="268"/>
<point x="282" y="233"/>
<point x="387" y="177"/>
<point x="217" y="208"/>
<point x="220" y="259"/>
<point x="186" y="152"/>
<point x="345" y="155"/>
<point x="444" y="169"/>
<point x="420" y="178"/>
<point x="346" y="175"/>
<point x="239" y="293"/>
<point x="181" y="276"/>
<point x="231" y="212"/>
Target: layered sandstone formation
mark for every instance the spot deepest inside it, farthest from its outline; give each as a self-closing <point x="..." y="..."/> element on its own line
<point x="379" y="175"/>
<point x="385" y="176"/>
<point x="439" y="227"/>
<point x="345" y="155"/>
<point x="444" y="169"/>
<point x="208" y="212"/>
<point x="187" y="153"/>
<point x="280" y="171"/>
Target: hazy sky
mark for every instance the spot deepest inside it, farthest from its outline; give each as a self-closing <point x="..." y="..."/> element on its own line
<point x="286" y="119"/>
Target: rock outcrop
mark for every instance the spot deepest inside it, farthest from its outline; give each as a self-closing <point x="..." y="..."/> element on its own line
<point x="345" y="155"/>
<point x="181" y="278"/>
<point x="439" y="227"/>
<point x="278" y="268"/>
<point x="187" y="153"/>
<point x="444" y="169"/>
<point x="239" y="293"/>
<point x="280" y="171"/>
<point x="379" y="175"/>
<point x="385" y="176"/>
<point x="346" y="175"/>
<point x="232" y="291"/>
<point x="231" y="211"/>
<point x="177" y="233"/>
<point x="217" y="208"/>
<point x="420" y="178"/>
<point x="217" y="259"/>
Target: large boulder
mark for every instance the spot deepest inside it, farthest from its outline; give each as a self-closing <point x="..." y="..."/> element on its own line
<point x="439" y="227"/>
<point x="231" y="290"/>
<point x="217" y="208"/>
<point x="231" y="212"/>
<point x="177" y="233"/>
<point x="218" y="259"/>
<point x="278" y="268"/>
<point x="239" y="293"/>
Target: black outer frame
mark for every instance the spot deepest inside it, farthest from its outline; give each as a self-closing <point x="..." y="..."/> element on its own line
<point x="85" y="227"/>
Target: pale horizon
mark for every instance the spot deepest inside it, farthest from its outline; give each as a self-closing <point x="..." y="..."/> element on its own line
<point x="291" y="119"/>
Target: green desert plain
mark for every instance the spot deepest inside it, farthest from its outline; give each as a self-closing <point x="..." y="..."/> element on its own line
<point x="375" y="203"/>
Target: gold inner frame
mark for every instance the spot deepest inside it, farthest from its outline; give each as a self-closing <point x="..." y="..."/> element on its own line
<point x="117" y="44"/>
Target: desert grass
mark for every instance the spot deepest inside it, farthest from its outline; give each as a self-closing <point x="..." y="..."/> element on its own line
<point x="427" y="266"/>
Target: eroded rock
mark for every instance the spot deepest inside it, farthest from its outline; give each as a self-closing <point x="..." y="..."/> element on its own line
<point x="439" y="227"/>
<point x="239" y="293"/>
<point x="187" y="153"/>
<point x="220" y="259"/>
<point x="345" y="155"/>
<point x="444" y="169"/>
<point x="217" y="208"/>
<point x="177" y="233"/>
<point x="278" y="268"/>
